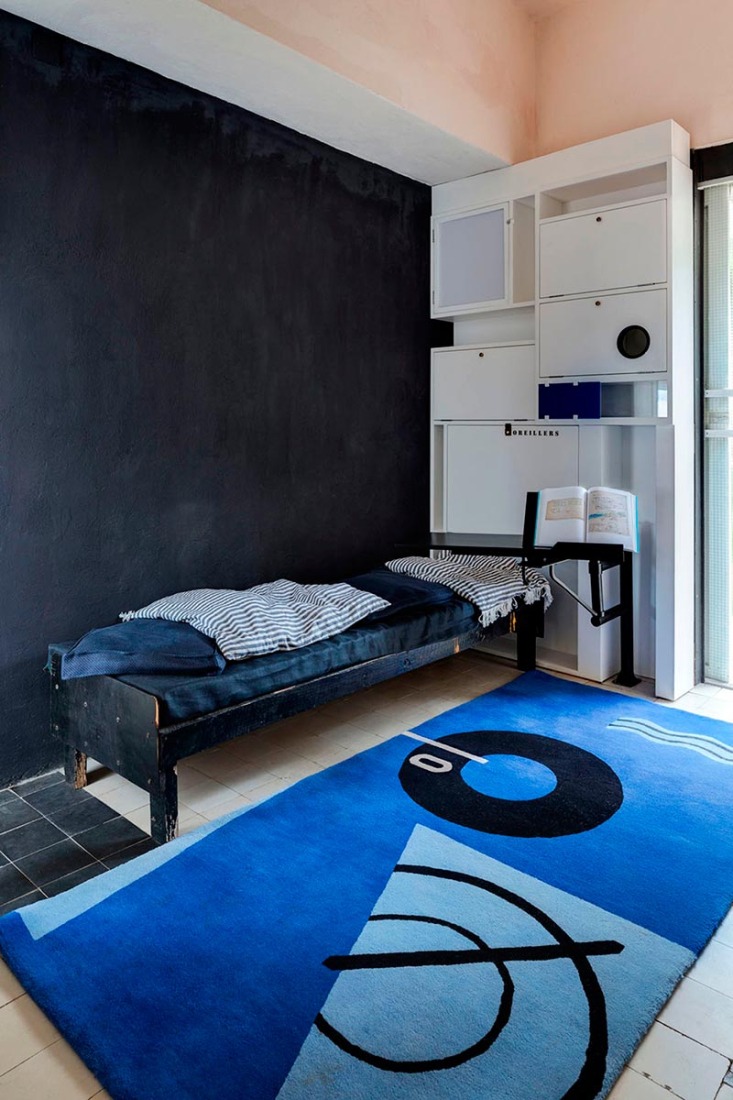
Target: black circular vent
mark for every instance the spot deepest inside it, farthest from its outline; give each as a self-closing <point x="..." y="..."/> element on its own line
<point x="633" y="341"/>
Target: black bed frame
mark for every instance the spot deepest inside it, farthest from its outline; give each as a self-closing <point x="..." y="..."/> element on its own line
<point x="119" y="725"/>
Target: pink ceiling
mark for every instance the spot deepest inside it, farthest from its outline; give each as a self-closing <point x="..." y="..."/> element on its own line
<point x="540" y="9"/>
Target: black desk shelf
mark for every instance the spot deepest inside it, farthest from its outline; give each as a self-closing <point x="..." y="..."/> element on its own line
<point x="600" y="557"/>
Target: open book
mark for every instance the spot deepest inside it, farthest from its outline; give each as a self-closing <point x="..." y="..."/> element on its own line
<point x="574" y="514"/>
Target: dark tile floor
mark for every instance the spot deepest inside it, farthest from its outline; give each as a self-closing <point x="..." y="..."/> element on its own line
<point x="53" y="837"/>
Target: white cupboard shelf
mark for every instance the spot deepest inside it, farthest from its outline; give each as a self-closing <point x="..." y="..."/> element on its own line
<point x="486" y="383"/>
<point x="487" y="473"/>
<point x="585" y="336"/>
<point x="471" y="261"/>
<point x="608" y="249"/>
<point x="483" y="260"/>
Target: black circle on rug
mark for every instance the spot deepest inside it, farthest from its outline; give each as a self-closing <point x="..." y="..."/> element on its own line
<point x="588" y="791"/>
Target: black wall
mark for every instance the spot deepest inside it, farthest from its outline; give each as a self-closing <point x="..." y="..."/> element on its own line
<point x="214" y="357"/>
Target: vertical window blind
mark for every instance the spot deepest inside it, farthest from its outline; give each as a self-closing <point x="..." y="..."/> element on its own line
<point x="718" y="453"/>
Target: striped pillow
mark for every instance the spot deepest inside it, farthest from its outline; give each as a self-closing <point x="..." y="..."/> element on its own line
<point x="494" y="585"/>
<point x="266" y="618"/>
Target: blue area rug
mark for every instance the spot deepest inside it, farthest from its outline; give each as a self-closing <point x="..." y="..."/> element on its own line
<point x="499" y="914"/>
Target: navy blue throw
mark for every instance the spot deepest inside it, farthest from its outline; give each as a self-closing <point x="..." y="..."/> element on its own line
<point x="142" y="645"/>
<point x="404" y="593"/>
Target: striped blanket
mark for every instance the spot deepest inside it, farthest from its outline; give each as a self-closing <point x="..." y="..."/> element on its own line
<point x="494" y="585"/>
<point x="267" y="618"/>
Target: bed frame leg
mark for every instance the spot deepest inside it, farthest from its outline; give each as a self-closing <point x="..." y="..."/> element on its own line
<point x="75" y="767"/>
<point x="530" y="623"/>
<point x="164" y="808"/>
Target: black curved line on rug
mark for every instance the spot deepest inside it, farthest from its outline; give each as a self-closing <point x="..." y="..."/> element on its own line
<point x="590" y="1079"/>
<point x="423" y="1065"/>
<point x="587" y="792"/>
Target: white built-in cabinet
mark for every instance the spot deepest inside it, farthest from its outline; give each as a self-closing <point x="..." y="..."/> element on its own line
<point x="611" y="248"/>
<point x="495" y="502"/>
<point x="584" y="337"/>
<point x="471" y="260"/>
<point x="482" y="259"/>
<point x="486" y="383"/>
<point x="568" y="280"/>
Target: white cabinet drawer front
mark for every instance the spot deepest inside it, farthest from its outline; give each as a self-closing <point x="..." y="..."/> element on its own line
<point x="488" y="474"/>
<point x="470" y="259"/>
<point x="580" y="336"/>
<point x="604" y="251"/>
<point x="491" y="384"/>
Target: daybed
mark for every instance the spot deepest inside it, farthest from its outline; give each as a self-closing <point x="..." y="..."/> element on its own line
<point x="140" y="726"/>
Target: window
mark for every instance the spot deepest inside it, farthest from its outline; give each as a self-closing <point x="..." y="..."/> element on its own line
<point x="718" y="429"/>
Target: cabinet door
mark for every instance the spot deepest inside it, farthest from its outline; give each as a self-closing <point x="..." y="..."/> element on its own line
<point x="470" y="260"/>
<point x="485" y="384"/>
<point x="585" y="336"/>
<point x="626" y="246"/>
<point x="488" y="473"/>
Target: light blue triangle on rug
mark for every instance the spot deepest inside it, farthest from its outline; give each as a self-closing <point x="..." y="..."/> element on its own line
<point x="496" y="903"/>
<point x="454" y="1028"/>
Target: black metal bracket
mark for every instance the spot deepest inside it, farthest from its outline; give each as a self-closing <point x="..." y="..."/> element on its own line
<point x="600" y="557"/>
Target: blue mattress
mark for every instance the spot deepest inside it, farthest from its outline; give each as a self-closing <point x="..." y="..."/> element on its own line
<point x="184" y="697"/>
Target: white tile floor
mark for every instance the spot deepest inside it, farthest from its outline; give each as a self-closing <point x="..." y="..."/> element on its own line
<point x="688" y="1052"/>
